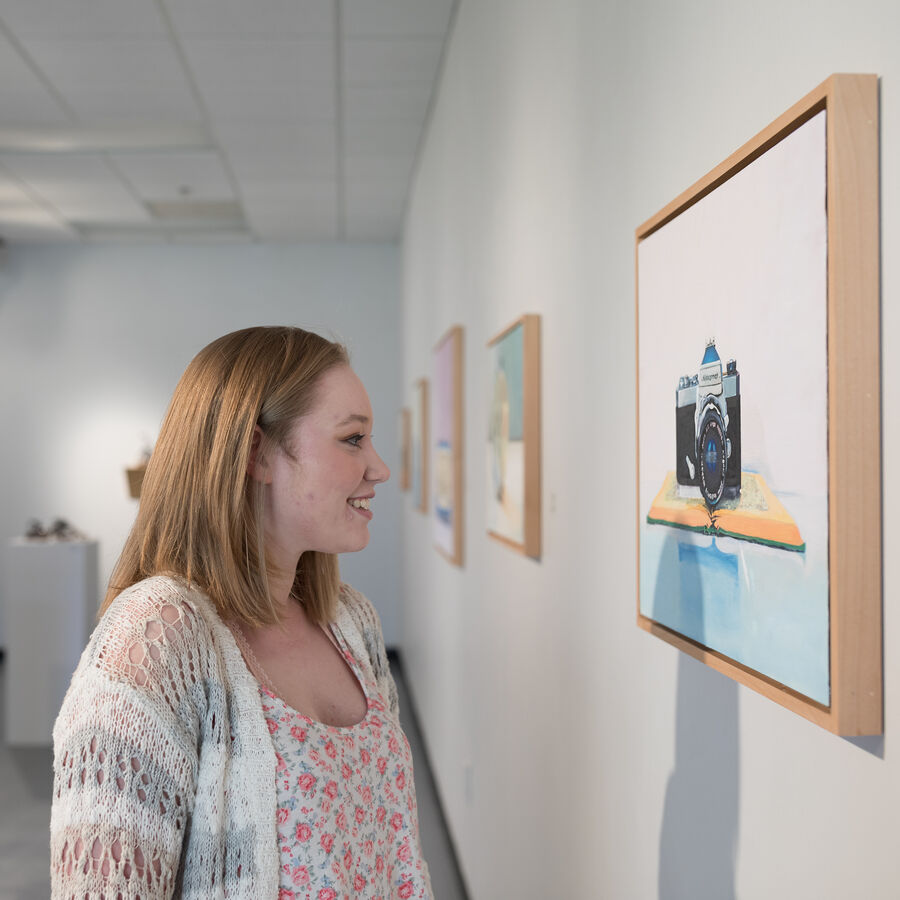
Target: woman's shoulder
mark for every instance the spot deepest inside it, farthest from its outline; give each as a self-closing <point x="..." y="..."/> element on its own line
<point x="153" y="618"/>
<point x="355" y="605"/>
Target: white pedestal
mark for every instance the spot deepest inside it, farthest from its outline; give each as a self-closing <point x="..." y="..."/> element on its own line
<point x="51" y="603"/>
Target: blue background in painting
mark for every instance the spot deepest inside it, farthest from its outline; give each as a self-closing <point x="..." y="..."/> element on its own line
<point x="508" y="358"/>
<point x="764" y="607"/>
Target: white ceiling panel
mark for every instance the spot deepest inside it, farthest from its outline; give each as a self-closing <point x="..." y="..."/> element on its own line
<point x="379" y="137"/>
<point x="268" y="103"/>
<point x="259" y="18"/>
<point x="382" y="197"/>
<point x="280" y="151"/>
<point x="396" y="18"/>
<point x="12" y="193"/>
<point x="29" y="109"/>
<point x="74" y="178"/>
<point x="24" y="98"/>
<point x="32" y="223"/>
<point x="388" y="102"/>
<point x="261" y="168"/>
<point x="76" y="18"/>
<point x="93" y="91"/>
<point x="261" y="63"/>
<point x="119" y="64"/>
<point x="158" y="176"/>
<point x="96" y="208"/>
<point x="391" y="62"/>
<point x="309" y="210"/>
<point x="135" y="105"/>
<point x="394" y="169"/>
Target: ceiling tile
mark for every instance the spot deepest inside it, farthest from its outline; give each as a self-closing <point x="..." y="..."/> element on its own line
<point x="74" y="185"/>
<point x="32" y="223"/>
<point x="24" y="98"/>
<point x="396" y="18"/>
<point x="12" y="193"/>
<point x="261" y="18"/>
<point x="293" y="211"/>
<point x="374" y="210"/>
<point x="157" y="176"/>
<point x="115" y="104"/>
<point x="381" y="138"/>
<point x="259" y="103"/>
<point x="367" y="62"/>
<point x="279" y="151"/>
<point x="380" y="101"/>
<point x="98" y="18"/>
<point x="113" y="66"/>
<point x="235" y="62"/>
<point x="375" y="197"/>
<point x="393" y="169"/>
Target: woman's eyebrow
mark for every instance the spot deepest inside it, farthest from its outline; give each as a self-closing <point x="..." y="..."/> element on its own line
<point x="354" y="417"/>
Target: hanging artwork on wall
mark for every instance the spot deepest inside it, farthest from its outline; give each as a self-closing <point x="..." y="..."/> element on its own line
<point x="758" y="492"/>
<point x="513" y="501"/>
<point x="447" y="446"/>
<point x="405" y="448"/>
<point x="418" y="436"/>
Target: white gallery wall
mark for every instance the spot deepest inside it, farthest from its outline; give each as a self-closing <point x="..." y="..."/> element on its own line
<point x="94" y="339"/>
<point x="576" y="755"/>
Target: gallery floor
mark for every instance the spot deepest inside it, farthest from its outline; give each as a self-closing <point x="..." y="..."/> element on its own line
<point x="25" y="789"/>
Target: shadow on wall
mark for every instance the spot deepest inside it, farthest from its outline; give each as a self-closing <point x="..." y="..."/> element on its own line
<point x="698" y="840"/>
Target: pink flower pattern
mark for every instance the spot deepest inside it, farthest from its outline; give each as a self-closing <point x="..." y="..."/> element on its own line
<point x="346" y="806"/>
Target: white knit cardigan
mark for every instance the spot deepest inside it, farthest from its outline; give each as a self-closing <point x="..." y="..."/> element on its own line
<point x="164" y="770"/>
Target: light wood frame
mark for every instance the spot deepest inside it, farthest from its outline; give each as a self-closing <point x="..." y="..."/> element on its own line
<point x="405" y="448"/>
<point x="854" y="467"/>
<point x="421" y="400"/>
<point x="531" y="436"/>
<point x="453" y="337"/>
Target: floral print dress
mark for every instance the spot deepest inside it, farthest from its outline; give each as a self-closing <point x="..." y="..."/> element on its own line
<point x="346" y="804"/>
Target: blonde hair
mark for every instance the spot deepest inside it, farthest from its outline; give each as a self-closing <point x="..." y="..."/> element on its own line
<point x="200" y="514"/>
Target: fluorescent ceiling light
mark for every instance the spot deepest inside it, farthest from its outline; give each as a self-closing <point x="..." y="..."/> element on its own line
<point x="119" y="138"/>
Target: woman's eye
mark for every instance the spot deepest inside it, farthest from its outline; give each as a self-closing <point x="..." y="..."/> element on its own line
<point x="355" y="439"/>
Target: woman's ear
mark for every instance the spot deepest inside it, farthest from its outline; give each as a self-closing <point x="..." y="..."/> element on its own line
<point x="257" y="467"/>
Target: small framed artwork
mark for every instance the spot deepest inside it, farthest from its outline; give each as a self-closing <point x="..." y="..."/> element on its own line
<point x="513" y="500"/>
<point x="403" y="426"/>
<point x="418" y="436"/>
<point x="447" y="446"/>
<point x="758" y="413"/>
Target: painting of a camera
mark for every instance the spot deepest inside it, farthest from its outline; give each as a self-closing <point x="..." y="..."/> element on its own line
<point x="708" y="428"/>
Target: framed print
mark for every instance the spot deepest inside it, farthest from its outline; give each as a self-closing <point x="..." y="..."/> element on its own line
<point x="405" y="450"/>
<point x="418" y="434"/>
<point x="447" y="446"/>
<point x="758" y="413"/>
<point x="513" y="501"/>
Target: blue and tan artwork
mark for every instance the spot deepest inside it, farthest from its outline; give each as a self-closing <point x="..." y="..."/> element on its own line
<point x="505" y="444"/>
<point x="446" y="443"/>
<point x="418" y="424"/>
<point x="733" y="391"/>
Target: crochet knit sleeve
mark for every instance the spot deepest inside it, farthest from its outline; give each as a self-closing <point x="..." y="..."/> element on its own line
<point x="125" y="750"/>
<point x="365" y="638"/>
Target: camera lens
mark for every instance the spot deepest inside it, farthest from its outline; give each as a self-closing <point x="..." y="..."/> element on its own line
<point x="712" y="456"/>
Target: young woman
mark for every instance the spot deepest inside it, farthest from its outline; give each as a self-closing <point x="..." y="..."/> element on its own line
<point x="231" y="729"/>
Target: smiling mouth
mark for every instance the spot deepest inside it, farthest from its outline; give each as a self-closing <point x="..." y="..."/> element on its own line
<point x="359" y="502"/>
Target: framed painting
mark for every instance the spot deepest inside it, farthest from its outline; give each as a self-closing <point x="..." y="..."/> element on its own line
<point x="758" y="413"/>
<point x="418" y="440"/>
<point x="447" y="446"/>
<point x="513" y="501"/>
<point x="403" y="426"/>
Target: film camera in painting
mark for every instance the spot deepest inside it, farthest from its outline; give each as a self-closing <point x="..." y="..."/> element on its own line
<point x="708" y="428"/>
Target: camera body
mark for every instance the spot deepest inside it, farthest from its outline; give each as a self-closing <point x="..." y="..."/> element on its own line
<point x="708" y="429"/>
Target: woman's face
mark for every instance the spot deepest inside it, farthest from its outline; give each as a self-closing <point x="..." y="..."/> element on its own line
<point x="319" y="490"/>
